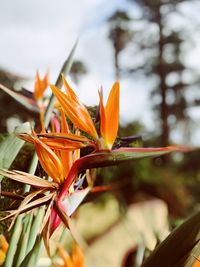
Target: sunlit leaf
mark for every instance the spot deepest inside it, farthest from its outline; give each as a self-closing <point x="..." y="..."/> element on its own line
<point x="10" y="147"/>
<point x="66" y="65"/>
<point x="64" y="70"/>
<point x="31" y="258"/>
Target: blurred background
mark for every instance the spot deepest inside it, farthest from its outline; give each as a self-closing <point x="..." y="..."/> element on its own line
<point x="153" y="48"/>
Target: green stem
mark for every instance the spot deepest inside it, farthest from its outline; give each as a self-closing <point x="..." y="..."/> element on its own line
<point x="13" y="241"/>
<point x="31" y="170"/>
<point x="19" y="222"/>
<point x="31" y="258"/>
<point x="35" y="228"/>
<point x="37" y="254"/>
<point x="22" y="244"/>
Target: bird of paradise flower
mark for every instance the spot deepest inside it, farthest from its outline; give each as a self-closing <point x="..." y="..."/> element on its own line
<point x="57" y="153"/>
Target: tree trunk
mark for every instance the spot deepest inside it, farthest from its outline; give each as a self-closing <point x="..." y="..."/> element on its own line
<point x="163" y="88"/>
<point x="116" y="65"/>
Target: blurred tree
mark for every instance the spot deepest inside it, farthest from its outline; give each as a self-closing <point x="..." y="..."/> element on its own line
<point x="6" y="108"/>
<point x="78" y="69"/>
<point x="141" y="179"/>
<point x="161" y="44"/>
<point x="10" y="108"/>
<point x="120" y="35"/>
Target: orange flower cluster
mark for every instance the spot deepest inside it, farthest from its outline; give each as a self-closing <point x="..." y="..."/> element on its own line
<point x="58" y="152"/>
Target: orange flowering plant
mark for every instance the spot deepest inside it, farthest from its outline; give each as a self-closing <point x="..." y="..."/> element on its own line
<point x="58" y="152"/>
<point x="68" y="174"/>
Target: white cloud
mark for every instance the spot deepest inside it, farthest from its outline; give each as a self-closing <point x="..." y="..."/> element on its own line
<point x="38" y="34"/>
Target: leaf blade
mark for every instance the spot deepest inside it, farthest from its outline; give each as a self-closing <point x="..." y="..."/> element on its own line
<point x="10" y="147"/>
<point x="177" y="245"/>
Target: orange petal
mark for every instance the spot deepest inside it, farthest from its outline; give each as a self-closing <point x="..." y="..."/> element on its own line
<point x="49" y="161"/>
<point x="65" y="156"/>
<point x="102" y="118"/>
<point x="2" y="257"/>
<point x="75" y="111"/>
<point x="3" y="249"/>
<point x="42" y="119"/>
<point x="110" y="116"/>
<point x="60" y="141"/>
<point x="69" y="91"/>
<point x="59" y="144"/>
<point x="40" y="86"/>
<point x="77" y="256"/>
<point x="77" y="151"/>
<point x="65" y="256"/>
<point x="3" y="243"/>
<point x="64" y="124"/>
<point x="196" y="263"/>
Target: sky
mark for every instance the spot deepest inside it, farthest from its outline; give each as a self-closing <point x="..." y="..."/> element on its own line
<point x="38" y="35"/>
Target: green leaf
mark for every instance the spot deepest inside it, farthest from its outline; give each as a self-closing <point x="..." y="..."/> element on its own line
<point x="35" y="227"/>
<point x="10" y="147"/>
<point x="27" y="102"/>
<point x="21" y="248"/>
<point x="16" y="232"/>
<point x="117" y="156"/>
<point x="31" y="258"/>
<point x="178" y="248"/>
<point x="66" y="65"/>
<point x="64" y="70"/>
